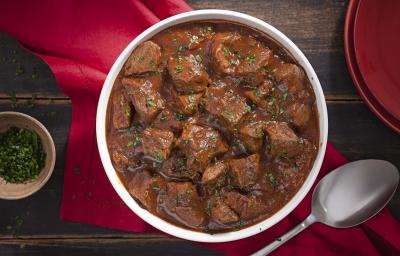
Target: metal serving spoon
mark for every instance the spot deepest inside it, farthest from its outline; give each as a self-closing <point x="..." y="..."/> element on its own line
<point x="347" y="197"/>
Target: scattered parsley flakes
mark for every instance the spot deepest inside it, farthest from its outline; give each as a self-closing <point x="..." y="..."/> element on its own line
<point x="271" y="178"/>
<point x="226" y="50"/>
<point x="178" y="69"/>
<point x="13" y="99"/>
<point x="247" y="108"/>
<point x="127" y="111"/>
<point x="198" y="58"/>
<point x="150" y="102"/>
<point x="271" y="101"/>
<point x="19" y="70"/>
<point x="158" y="156"/>
<point x="193" y="39"/>
<point x="179" y="116"/>
<point x="251" y="58"/>
<point x="285" y="95"/>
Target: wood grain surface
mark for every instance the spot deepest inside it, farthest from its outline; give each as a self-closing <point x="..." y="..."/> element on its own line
<point x="32" y="226"/>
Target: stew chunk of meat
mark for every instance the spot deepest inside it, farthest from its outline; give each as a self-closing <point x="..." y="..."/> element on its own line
<point x="157" y="143"/>
<point x="215" y="174"/>
<point x="188" y="104"/>
<point x="145" y="96"/>
<point x="300" y="113"/>
<point x="146" y="57"/>
<point x="225" y="103"/>
<point x="175" y="167"/>
<point x="236" y="55"/>
<point x="283" y="140"/>
<point x="200" y="145"/>
<point x="188" y="75"/>
<point x="259" y="94"/>
<point x="183" y="201"/>
<point x="121" y="116"/>
<point x="145" y="188"/>
<point x="169" y="120"/>
<point x="223" y="214"/>
<point x="246" y="206"/>
<point x="289" y="77"/>
<point x="251" y="133"/>
<point x="245" y="171"/>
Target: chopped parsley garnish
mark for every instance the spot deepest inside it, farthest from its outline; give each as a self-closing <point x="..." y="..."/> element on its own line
<point x="21" y="155"/>
<point x="150" y="102"/>
<point x="251" y="178"/>
<point x="193" y="39"/>
<point x="180" y="48"/>
<point x="127" y="111"/>
<point x="179" y="116"/>
<point x="253" y="106"/>
<point x="178" y="69"/>
<point x="198" y="58"/>
<point x="285" y="95"/>
<point x="179" y="197"/>
<point x="274" y="70"/>
<point x="257" y="92"/>
<point x="237" y="53"/>
<point x="226" y="50"/>
<point x="19" y="70"/>
<point x="155" y="187"/>
<point x="251" y="58"/>
<point x="13" y="99"/>
<point x="271" y="101"/>
<point x="158" y="156"/>
<point x="136" y="140"/>
<point x="271" y="178"/>
<point x="31" y="102"/>
<point x="247" y="108"/>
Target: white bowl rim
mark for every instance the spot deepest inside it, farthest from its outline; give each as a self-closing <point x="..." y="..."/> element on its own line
<point x="198" y="15"/>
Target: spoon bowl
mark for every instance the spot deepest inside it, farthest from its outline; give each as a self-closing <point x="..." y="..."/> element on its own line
<point x="354" y="192"/>
<point x="347" y="197"/>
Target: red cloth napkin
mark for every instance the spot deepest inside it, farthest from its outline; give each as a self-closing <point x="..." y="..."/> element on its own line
<point x="80" y="40"/>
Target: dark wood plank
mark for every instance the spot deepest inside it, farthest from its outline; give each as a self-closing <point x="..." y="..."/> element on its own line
<point x="358" y="134"/>
<point x="354" y="130"/>
<point x="100" y="247"/>
<point x="23" y="73"/>
<point x="315" y="26"/>
<point x="32" y="227"/>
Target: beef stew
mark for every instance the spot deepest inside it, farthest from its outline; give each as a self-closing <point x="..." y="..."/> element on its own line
<point x="212" y="126"/>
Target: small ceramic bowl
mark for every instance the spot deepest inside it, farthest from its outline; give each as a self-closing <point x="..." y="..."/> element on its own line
<point x="13" y="191"/>
<point x="207" y="15"/>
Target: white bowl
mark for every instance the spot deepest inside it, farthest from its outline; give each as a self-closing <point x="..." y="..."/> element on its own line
<point x="101" y="125"/>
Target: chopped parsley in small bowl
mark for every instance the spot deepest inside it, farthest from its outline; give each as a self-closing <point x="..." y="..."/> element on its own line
<point x="27" y="155"/>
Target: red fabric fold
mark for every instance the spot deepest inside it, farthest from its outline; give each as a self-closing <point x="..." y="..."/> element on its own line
<point x="80" y="40"/>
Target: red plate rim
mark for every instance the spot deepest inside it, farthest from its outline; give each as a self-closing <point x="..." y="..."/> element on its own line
<point x="386" y="95"/>
<point x="355" y="73"/>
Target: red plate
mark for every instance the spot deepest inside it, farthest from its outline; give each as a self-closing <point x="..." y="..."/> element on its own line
<point x="377" y="42"/>
<point x="355" y="73"/>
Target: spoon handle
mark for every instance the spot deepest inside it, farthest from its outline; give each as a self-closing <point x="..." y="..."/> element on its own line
<point x="278" y="242"/>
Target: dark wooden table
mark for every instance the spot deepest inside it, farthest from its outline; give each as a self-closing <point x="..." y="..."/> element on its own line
<point x="32" y="226"/>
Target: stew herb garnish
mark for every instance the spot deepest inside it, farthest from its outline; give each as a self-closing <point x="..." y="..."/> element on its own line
<point x="21" y="155"/>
